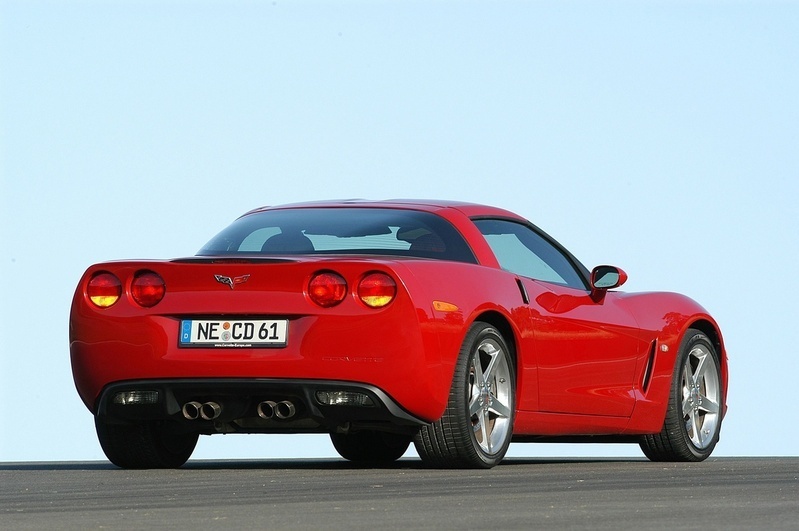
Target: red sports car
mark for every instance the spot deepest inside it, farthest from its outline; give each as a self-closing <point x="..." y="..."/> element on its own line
<point x="457" y="326"/>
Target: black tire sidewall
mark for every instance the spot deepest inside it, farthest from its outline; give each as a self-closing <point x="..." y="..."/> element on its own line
<point x="370" y="447"/>
<point x="461" y="388"/>
<point x="146" y="445"/>
<point x="692" y="338"/>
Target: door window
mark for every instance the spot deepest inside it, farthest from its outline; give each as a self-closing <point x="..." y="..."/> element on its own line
<point x="521" y="250"/>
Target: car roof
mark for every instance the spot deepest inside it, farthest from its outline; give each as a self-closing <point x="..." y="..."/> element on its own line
<point x="427" y="205"/>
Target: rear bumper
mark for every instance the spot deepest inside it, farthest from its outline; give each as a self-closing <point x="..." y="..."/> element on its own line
<point x="238" y="403"/>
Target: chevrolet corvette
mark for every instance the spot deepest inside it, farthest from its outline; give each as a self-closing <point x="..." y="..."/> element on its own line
<point x="457" y="327"/>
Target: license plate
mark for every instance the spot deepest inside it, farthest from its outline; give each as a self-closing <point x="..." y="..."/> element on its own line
<point x="229" y="333"/>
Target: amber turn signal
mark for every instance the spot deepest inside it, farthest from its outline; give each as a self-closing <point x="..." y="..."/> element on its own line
<point x="377" y="290"/>
<point x="104" y="290"/>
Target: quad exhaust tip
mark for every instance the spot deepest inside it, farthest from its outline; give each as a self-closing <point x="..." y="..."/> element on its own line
<point x="268" y="409"/>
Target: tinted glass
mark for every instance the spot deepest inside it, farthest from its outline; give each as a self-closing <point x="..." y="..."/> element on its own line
<point x="521" y="250"/>
<point x="341" y="231"/>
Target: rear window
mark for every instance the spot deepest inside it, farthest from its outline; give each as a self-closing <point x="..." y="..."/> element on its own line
<point x="341" y="231"/>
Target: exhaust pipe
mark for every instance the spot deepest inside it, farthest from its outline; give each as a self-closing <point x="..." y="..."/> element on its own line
<point x="210" y="411"/>
<point x="285" y="410"/>
<point x="269" y="409"/>
<point x="266" y="409"/>
<point x="191" y="410"/>
<point x="195" y="410"/>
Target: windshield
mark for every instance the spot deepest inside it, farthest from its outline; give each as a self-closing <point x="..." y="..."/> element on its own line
<point x="380" y="231"/>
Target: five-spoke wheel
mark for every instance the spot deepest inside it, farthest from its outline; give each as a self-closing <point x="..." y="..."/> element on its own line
<point x="475" y="430"/>
<point x="693" y="419"/>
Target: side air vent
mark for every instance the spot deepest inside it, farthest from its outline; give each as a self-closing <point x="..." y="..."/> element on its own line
<point x="650" y="366"/>
<point x="523" y="290"/>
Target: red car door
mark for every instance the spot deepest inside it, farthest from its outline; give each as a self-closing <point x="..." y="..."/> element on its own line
<point x="586" y="351"/>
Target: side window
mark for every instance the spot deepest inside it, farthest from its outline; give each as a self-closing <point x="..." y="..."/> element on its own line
<point x="521" y="250"/>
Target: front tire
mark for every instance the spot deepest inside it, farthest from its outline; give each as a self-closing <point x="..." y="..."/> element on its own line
<point x="475" y="430"/>
<point x="146" y="445"/>
<point x="693" y="419"/>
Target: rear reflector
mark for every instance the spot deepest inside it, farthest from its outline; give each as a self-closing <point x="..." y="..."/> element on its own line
<point x="136" y="398"/>
<point x="344" y="398"/>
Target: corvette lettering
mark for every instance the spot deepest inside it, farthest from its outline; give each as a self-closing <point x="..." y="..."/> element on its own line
<point x="232" y="282"/>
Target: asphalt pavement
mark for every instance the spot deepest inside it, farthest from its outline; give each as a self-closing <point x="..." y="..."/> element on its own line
<point x="720" y="493"/>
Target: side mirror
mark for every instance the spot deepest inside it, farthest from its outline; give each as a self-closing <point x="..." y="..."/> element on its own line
<point x="607" y="277"/>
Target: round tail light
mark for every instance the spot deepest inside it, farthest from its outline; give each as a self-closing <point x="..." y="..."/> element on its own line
<point x="327" y="289"/>
<point x="147" y="289"/>
<point x="377" y="290"/>
<point x="104" y="290"/>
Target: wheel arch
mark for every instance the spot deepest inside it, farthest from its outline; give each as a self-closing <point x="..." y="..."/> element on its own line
<point x="505" y="328"/>
<point x="713" y="333"/>
<point x="710" y="330"/>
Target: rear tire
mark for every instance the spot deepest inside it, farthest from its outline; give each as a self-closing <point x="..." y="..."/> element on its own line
<point x="147" y="445"/>
<point x="475" y="430"/>
<point x="371" y="447"/>
<point x="693" y="419"/>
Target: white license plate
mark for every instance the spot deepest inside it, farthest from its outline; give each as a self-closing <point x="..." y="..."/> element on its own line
<point x="231" y="333"/>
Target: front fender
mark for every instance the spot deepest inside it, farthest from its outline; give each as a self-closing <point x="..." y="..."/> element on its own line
<point x="665" y="319"/>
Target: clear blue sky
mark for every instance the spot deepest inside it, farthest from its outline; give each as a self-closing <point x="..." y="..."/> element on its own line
<point x="662" y="137"/>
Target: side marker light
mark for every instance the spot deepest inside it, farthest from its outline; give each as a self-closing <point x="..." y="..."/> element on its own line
<point x="442" y="306"/>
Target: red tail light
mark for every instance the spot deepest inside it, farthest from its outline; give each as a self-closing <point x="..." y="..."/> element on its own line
<point x="104" y="290"/>
<point x="147" y="289"/>
<point x="377" y="290"/>
<point x="327" y="289"/>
